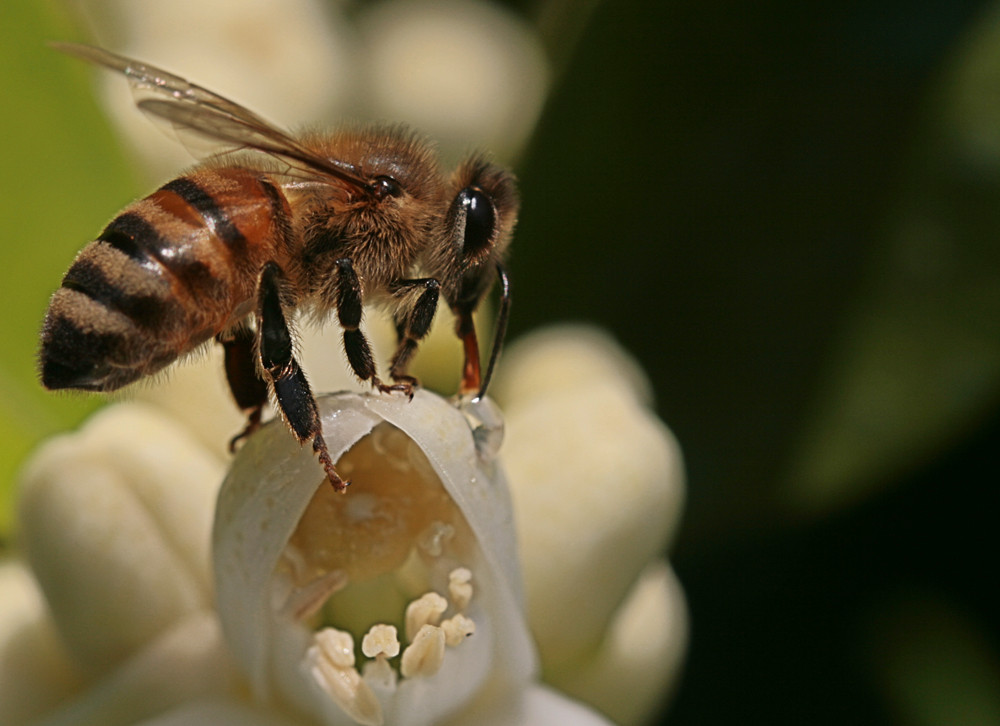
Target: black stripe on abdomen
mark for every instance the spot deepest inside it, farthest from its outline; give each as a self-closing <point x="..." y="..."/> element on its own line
<point x="133" y="236"/>
<point x="280" y="214"/>
<point x="146" y="308"/>
<point x="214" y="215"/>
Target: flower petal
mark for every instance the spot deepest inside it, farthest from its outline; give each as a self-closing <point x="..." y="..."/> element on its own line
<point x="185" y="662"/>
<point x="544" y="707"/>
<point x="597" y="482"/>
<point x="630" y="674"/>
<point x="247" y="50"/>
<point x="115" y="523"/>
<point x="567" y="358"/>
<point x="272" y="482"/>
<point x="220" y="713"/>
<point x="36" y="671"/>
<point x="596" y="485"/>
<point x="475" y="74"/>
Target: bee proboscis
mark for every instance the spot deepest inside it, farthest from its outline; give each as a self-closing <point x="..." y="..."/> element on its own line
<point x="276" y="224"/>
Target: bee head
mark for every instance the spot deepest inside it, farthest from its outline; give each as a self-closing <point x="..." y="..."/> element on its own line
<point x="478" y="226"/>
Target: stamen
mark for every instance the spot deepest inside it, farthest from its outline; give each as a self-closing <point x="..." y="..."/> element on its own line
<point x="425" y="654"/>
<point x="460" y="587"/>
<point x="381" y="640"/>
<point x="336" y="646"/>
<point x="425" y="610"/>
<point x="380" y="643"/>
<point x="457" y="628"/>
<point x="379" y="674"/>
<point x="331" y="662"/>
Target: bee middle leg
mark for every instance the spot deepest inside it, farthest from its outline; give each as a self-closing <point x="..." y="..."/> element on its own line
<point x="248" y="389"/>
<point x="356" y="346"/>
<point x="291" y="389"/>
<point x="413" y="324"/>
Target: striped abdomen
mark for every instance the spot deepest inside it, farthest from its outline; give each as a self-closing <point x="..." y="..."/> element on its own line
<point x="170" y="272"/>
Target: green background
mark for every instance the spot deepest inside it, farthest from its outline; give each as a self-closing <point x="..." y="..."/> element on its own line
<point x="64" y="175"/>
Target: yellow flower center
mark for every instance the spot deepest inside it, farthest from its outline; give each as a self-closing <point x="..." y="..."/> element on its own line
<point x="391" y="555"/>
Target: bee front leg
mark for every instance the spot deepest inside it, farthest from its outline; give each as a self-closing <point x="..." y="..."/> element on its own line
<point x="248" y="389"/>
<point x="465" y="329"/>
<point x="356" y="346"/>
<point x="413" y="325"/>
<point x="277" y="360"/>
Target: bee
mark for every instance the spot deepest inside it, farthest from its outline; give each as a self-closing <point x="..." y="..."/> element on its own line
<point x="273" y="225"/>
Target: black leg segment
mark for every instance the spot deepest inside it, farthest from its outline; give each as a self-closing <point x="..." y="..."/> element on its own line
<point x="413" y="325"/>
<point x="291" y="389"/>
<point x="248" y="389"/>
<point x="359" y="352"/>
<point x="356" y="346"/>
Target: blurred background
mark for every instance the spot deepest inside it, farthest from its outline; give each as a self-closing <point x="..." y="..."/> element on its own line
<point x="788" y="212"/>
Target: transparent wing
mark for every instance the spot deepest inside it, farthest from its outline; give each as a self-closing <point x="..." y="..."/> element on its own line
<point x="194" y="108"/>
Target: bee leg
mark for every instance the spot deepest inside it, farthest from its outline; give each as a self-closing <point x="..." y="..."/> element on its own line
<point x="356" y="346"/>
<point x="291" y="389"/>
<point x="413" y="326"/>
<point x="465" y="329"/>
<point x="249" y="391"/>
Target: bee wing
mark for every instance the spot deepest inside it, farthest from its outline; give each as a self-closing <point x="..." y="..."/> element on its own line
<point x="192" y="107"/>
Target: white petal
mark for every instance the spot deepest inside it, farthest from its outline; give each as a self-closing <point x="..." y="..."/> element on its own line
<point x="288" y="61"/>
<point x="36" y="671"/>
<point x="467" y="73"/>
<point x="270" y="485"/>
<point x="115" y="522"/>
<point x="195" y="393"/>
<point x="536" y="706"/>
<point x="221" y="713"/>
<point x="632" y="672"/>
<point x="545" y="707"/>
<point x="186" y="662"/>
<point x="566" y="358"/>
<point x="596" y="481"/>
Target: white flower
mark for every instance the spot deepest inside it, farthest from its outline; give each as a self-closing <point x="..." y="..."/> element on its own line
<point x="115" y="522"/>
<point x="597" y="483"/>
<point x="418" y="557"/>
<point x="466" y="73"/>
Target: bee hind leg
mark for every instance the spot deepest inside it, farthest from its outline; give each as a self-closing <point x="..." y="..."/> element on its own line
<point x="291" y="389"/>
<point x="248" y="389"/>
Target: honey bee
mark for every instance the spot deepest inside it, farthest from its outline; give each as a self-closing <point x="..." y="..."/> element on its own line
<point x="276" y="224"/>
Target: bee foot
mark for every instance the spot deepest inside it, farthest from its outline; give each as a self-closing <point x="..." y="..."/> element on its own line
<point x="404" y="385"/>
<point x="253" y="423"/>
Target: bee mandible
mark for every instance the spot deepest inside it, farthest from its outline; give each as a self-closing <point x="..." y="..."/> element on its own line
<point x="276" y="224"/>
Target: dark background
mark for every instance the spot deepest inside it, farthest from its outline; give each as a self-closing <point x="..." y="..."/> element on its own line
<point x="720" y="184"/>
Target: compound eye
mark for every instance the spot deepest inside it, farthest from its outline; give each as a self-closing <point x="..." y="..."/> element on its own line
<point x="480" y="219"/>
<point x="385" y="186"/>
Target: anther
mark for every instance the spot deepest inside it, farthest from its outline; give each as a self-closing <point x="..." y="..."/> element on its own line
<point x="460" y="587"/>
<point x="456" y="629"/>
<point x="425" y="654"/>
<point x="425" y="610"/>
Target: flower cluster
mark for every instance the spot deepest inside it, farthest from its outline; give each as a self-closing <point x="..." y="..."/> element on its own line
<point x="151" y="595"/>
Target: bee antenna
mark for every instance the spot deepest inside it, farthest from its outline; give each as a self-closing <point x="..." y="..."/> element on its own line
<point x="500" y="330"/>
